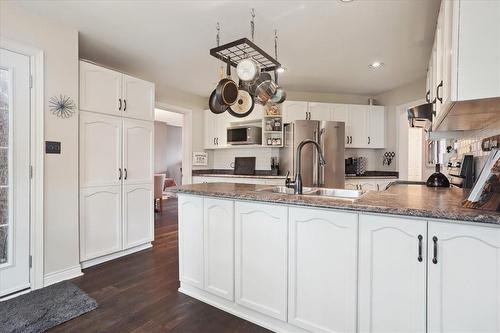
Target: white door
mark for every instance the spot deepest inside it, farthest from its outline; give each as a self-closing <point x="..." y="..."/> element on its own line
<point x="261" y="258"/>
<point x="14" y="172"/>
<point x="320" y="111"/>
<point x="191" y="240"/>
<point x="138" y="98"/>
<point x="100" y="221"/>
<point x="392" y="273"/>
<point x="463" y="278"/>
<point x="100" y="150"/>
<point x="322" y="270"/>
<point x="138" y="155"/>
<point x="358" y="131"/>
<point x="138" y="214"/>
<point x="293" y="110"/>
<point x="376" y="130"/>
<point x="218" y="223"/>
<point x="100" y="89"/>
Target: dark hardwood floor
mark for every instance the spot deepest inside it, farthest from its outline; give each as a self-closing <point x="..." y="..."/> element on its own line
<point x="138" y="293"/>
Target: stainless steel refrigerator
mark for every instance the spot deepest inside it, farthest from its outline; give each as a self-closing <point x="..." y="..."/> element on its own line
<point x="330" y="135"/>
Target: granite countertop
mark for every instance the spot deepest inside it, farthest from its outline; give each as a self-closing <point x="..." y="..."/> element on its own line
<point x="266" y="174"/>
<point x="399" y="199"/>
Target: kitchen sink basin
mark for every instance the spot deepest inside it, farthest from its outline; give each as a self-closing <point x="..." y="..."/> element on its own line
<point x="317" y="191"/>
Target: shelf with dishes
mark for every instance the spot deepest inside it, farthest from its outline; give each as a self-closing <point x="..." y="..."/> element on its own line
<point x="272" y="126"/>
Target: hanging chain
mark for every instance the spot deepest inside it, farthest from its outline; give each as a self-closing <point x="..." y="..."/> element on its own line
<point x="252" y="23"/>
<point x="217" y="38"/>
<point x="276" y="44"/>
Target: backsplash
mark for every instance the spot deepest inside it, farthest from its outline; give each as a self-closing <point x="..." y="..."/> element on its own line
<point x="223" y="158"/>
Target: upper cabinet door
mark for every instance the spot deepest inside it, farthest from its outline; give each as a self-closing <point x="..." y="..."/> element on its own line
<point x="340" y="112"/>
<point x="322" y="274"/>
<point x="463" y="278"/>
<point x="100" y="150"/>
<point x="210" y="129"/>
<point x="358" y="116"/>
<point x="320" y="111"/>
<point x="392" y="273"/>
<point x="376" y="123"/>
<point x="139" y="98"/>
<point x="138" y="156"/>
<point x="261" y="258"/>
<point x="100" y="89"/>
<point x="293" y="110"/>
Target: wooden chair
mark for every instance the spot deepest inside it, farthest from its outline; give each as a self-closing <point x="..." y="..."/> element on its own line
<point x="158" y="192"/>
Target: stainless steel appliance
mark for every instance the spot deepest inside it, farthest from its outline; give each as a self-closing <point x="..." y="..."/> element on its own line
<point x="244" y="135"/>
<point x="461" y="171"/>
<point x="330" y="136"/>
<point x="421" y="116"/>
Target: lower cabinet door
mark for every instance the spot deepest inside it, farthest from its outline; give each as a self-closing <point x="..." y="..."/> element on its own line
<point x="138" y="214"/>
<point x="322" y="270"/>
<point x="463" y="278"/>
<point x="261" y="258"/>
<point x="391" y="274"/>
<point x="219" y="247"/>
<point x="191" y="240"/>
<point x="100" y="221"/>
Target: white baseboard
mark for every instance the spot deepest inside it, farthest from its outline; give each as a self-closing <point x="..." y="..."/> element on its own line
<point x="64" y="274"/>
<point x="233" y="308"/>
<point x="100" y="260"/>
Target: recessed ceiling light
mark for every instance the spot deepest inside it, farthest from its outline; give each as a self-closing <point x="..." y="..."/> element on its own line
<point x="376" y="64"/>
<point x="346" y="0"/>
<point x="281" y="70"/>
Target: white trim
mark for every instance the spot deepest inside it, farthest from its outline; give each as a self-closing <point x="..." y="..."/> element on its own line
<point x="116" y="255"/>
<point x="64" y="274"/>
<point x="187" y="139"/>
<point x="37" y="157"/>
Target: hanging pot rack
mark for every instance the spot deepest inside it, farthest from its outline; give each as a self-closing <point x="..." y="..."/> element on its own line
<point x="232" y="53"/>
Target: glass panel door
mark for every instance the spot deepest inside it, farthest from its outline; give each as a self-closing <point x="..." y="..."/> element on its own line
<point x="5" y="130"/>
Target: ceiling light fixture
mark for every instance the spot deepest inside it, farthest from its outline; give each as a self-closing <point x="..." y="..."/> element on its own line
<point x="376" y="64"/>
<point x="281" y="69"/>
<point x="346" y="0"/>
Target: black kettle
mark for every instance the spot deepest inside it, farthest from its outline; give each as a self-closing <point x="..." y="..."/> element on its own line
<point x="437" y="179"/>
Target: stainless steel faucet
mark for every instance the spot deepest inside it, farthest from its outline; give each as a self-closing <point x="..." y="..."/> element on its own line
<point x="296" y="184"/>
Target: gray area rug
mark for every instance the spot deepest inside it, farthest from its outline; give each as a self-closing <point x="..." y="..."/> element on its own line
<point x="44" y="308"/>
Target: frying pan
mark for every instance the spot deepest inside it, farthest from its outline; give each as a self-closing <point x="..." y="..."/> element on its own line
<point x="280" y="94"/>
<point x="214" y="104"/>
<point x="244" y="104"/>
<point x="227" y="90"/>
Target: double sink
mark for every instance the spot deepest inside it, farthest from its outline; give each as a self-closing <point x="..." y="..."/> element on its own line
<point x="317" y="191"/>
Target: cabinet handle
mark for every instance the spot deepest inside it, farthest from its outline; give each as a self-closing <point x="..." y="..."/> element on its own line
<point x="126" y="173"/>
<point x="435" y="240"/>
<point x="420" y="248"/>
<point x="368" y="140"/>
<point x="350" y="138"/>
<point x="428" y="96"/>
<point x="217" y="141"/>
<point x="119" y="173"/>
<point x="120" y="104"/>
<point x="214" y="141"/>
<point x="439" y="98"/>
<point x="124" y="105"/>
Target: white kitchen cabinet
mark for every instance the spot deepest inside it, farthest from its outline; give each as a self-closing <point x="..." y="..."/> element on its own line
<point x="392" y="274"/>
<point x="320" y="111"/>
<point x="240" y="180"/>
<point x="294" y="110"/>
<point x="376" y="127"/>
<point x="138" y="155"/>
<point x="138" y="215"/>
<point x="100" y="89"/>
<point x="218" y="222"/>
<point x="138" y="98"/>
<point x="463" y="278"/>
<point x="322" y="275"/>
<point x="100" y="221"/>
<point x="358" y="126"/>
<point x="261" y="233"/>
<point x="100" y="150"/>
<point x="216" y="129"/>
<point x="190" y="210"/>
<point x="103" y="90"/>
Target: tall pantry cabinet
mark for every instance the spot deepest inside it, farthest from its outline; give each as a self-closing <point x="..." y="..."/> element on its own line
<point x="116" y="163"/>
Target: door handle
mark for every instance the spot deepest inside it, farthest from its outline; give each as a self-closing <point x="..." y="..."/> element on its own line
<point x="434" y="259"/>
<point x="368" y="140"/>
<point x="439" y="98"/>
<point x="420" y="248"/>
<point x="126" y="173"/>
<point x="120" y="104"/>
<point x="428" y="96"/>
<point x="124" y="105"/>
<point x="119" y="173"/>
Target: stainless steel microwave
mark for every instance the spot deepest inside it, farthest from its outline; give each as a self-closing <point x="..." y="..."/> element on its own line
<point x="244" y="135"/>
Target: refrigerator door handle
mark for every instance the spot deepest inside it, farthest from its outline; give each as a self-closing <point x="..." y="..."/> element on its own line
<point x="321" y="167"/>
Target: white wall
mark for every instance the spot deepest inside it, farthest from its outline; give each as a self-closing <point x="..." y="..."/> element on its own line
<point x="222" y="158"/>
<point x="160" y="147"/>
<point x="174" y="153"/>
<point x="60" y="46"/>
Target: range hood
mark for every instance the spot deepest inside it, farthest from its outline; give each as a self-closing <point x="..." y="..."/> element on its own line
<point x="421" y="116"/>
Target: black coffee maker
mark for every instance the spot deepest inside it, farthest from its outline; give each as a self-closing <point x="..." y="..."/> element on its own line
<point x="437" y="179"/>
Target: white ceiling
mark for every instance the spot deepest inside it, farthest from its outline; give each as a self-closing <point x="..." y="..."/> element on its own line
<point x="326" y="46"/>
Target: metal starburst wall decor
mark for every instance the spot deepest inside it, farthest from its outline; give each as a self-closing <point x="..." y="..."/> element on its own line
<point x="62" y="106"/>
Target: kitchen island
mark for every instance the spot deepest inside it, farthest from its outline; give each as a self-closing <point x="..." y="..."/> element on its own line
<point x="406" y="259"/>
